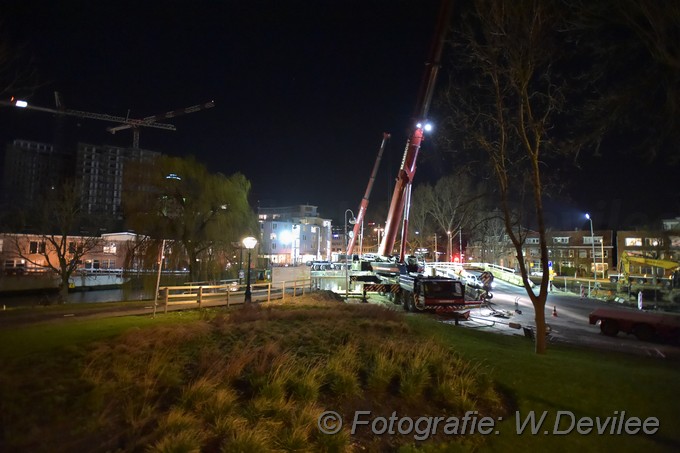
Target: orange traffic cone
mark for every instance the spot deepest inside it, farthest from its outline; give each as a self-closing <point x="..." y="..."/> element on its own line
<point x="554" y="312"/>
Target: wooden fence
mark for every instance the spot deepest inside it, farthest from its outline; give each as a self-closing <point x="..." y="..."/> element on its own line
<point x="230" y="293"/>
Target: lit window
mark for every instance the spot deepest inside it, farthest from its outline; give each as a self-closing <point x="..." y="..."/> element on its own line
<point x="634" y="242"/>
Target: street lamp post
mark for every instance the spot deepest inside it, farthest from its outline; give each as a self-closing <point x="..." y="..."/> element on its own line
<point x="449" y="250"/>
<point x="272" y="238"/>
<point x="592" y="243"/>
<point x="435" y="248"/>
<point x="249" y="243"/>
<point x="352" y="221"/>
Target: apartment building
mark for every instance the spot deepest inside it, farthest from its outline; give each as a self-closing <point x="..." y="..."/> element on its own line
<point x="293" y="235"/>
<point x="571" y="253"/>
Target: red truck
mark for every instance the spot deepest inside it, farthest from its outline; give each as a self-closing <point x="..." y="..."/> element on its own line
<point x="644" y="325"/>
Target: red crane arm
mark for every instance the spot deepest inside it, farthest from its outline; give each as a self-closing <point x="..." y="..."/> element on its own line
<point x="401" y="194"/>
<point x="367" y="194"/>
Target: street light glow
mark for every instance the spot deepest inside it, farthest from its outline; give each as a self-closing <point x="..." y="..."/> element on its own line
<point x="286" y="237"/>
<point x="249" y="242"/>
<point x="592" y="242"/>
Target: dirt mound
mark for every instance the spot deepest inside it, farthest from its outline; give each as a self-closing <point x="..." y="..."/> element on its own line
<point x="323" y="296"/>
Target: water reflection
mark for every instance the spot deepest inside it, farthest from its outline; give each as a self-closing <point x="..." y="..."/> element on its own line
<point x="94" y="296"/>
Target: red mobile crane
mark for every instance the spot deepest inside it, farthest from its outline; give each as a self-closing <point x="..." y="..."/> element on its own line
<point x="367" y="194"/>
<point x="408" y="287"/>
<point x="401" y="197"/>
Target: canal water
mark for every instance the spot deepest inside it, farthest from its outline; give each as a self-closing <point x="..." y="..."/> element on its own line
<point x="329" y="283"/>
<point x="94" y="296"/>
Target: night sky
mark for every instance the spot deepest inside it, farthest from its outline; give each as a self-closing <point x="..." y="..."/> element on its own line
<point x="303" y="89"/>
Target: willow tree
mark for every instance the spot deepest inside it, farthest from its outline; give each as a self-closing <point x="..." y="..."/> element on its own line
<point x="503" y="99"/>
<point x="180" y="200"/>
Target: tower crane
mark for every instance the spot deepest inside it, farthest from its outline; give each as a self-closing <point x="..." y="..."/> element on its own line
<point x="13" y="102"/>
<point x="150" y="121"/>
<point x="124" y="122"/>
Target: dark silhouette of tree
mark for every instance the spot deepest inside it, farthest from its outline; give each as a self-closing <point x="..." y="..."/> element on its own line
<point x="503" y="99"/>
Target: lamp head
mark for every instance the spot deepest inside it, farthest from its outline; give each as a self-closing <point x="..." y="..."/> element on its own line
<point x="249" y="242"/>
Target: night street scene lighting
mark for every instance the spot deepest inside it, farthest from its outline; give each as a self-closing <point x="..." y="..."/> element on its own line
<point x="249" y="243"/>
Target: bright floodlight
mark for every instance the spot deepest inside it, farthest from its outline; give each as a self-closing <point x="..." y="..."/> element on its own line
<point x="21" y="104"/>
<point x="286" y="237"/>
<point x="249" y="242"/>
<point x="428" y="127"/>
<point x="587" y="216"/>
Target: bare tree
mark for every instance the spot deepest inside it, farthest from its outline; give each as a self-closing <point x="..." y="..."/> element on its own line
<point x="419" y="219"/>
<point x="505" y="99"/>
<point x="452" y="203"/>
<point x="17" y="71"/>
<point x="637" y="71"/>
<point x="60" y="248"/>
<point x="491" y="237"/>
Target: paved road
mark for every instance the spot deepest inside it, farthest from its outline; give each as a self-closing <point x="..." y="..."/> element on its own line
<point x="569" y="326"/>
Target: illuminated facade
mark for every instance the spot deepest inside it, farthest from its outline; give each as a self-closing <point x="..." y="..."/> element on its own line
<point x="294" y="235"/>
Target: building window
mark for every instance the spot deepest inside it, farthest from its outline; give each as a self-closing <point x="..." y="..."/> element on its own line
<point x="532" y="240"/>
<point x="1" y="244"/>
<point x="571" y="253"/>
<point x="36" y="247"/>
<point x="633" y="242"/>
<point x="561" y="240"/>
<point x="653" y="242"/>
<point x="589" y="240"/>
<point x="583" y="253"/>
<point x="111" y="248"/>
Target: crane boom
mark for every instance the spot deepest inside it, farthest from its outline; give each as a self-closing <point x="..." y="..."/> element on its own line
<point x="150" y="120"/>
<point x="94" y="116"/>
<point x="401" y="195"/>
<point x="367" y="194"/>
<point x="627" y="258"/>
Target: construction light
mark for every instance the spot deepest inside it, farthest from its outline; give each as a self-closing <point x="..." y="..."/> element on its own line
<point x="22" y="104"/>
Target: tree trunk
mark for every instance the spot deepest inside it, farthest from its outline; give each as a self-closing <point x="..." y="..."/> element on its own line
<point x="63" y="289"/>
<point x="539" y="317"/>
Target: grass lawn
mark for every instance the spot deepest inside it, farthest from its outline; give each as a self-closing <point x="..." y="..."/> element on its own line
<point x="584" y="382"/>
<point x="258" y="379"/>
